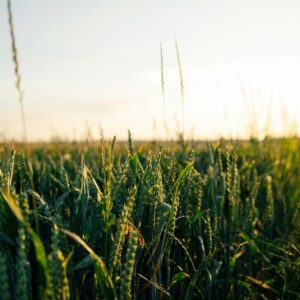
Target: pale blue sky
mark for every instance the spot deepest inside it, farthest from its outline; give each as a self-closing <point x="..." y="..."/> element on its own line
<point x="97" y="62"/>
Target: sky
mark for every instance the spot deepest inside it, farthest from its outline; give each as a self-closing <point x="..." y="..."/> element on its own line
<point x="91" y="64"/>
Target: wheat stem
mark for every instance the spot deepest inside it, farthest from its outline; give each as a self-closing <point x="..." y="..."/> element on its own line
<point x="162" y="84"/>
<point x="181" y="87"/>
<point x="16" y="69"/>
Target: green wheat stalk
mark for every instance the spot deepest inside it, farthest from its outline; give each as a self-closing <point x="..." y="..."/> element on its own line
<point x="16" y="69"/>
<point x="162" y="84"/>
<point x="4" y="280"/>
<point x="128" y="271"/>
<point x="21" y="287"/>
<point x="181" y="87"/>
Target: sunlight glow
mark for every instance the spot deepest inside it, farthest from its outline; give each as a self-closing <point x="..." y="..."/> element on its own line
<point x="99" y="65"/>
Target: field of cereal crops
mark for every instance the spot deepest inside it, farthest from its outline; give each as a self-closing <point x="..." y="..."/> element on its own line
<point x="148" y="220"/>
<point x="125" y="221"/>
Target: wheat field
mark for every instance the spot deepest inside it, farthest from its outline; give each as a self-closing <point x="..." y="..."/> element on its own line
<point x="114" y="221"/>
<point x="167" y="219"/>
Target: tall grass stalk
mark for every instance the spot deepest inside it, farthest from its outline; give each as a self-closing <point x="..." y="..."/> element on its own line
<point x="162" y="84"/>
<point x="181" y="87"/>
<point x="17" y="69"/>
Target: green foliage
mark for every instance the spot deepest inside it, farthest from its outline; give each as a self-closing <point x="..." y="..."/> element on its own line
<point x="106" y="222"/>
<point x="4" y="280"/>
